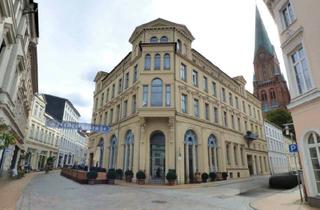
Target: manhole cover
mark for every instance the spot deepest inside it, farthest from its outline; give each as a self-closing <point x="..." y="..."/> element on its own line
<point x="156" y="201"/>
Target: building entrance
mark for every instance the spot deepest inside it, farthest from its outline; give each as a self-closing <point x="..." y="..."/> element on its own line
<point x="250" y="165"/>
<point x="157" y="155"/>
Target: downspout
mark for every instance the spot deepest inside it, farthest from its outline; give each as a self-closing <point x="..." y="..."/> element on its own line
<point x="120" y="115"/>
<point x="174" y="99"/>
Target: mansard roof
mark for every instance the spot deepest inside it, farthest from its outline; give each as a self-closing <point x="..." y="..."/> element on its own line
<point x="161" y="23"/>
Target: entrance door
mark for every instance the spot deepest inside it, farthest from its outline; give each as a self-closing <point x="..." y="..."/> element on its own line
<point x="191" y="166"/>
<point x="250" y="165"/>
<point x="157" y="155"/>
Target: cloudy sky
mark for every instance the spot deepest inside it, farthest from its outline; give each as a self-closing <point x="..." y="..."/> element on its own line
<point x="79" y="38"/>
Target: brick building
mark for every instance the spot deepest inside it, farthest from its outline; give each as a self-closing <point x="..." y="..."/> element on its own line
<point x="269" y="84"/>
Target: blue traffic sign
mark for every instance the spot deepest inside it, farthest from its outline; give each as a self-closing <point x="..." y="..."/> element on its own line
<point x="293" y="148"/>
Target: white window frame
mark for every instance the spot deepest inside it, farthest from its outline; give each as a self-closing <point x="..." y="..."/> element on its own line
<point x="286" y="23"/>
<point x="293" y="71"/>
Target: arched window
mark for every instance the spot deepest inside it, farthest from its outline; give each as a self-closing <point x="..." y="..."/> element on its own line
<point x="212" y="153"/>
<point x="157" y="61"/>
<point x="113" y="152"/>
<point x="179" y="45"/>
<point x="164" y="39"/>
<point x="272" y="94"/>
<point x="166" y="61"/>
<point x="147" y="62"/>
<point x="156" y="92"/>
<point x="314" y="152"/>
<point x="101" y="149"/>
<point x="264" y="96"/>
<point x="128" y="151"/>
<point x="154" y="39"/>
<point x="190" y="155"/>
<point x="264" y="99"/>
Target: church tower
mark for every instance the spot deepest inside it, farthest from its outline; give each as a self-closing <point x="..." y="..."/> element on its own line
<point x="268" y="82"/>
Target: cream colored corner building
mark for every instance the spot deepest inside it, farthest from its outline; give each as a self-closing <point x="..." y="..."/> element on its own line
<point x="171" y="108"/>
<point x="42" y="141"/>
<point x="299" y="30"/>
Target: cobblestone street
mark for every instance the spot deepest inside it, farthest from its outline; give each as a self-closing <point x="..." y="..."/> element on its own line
<point x="51" y="191"/>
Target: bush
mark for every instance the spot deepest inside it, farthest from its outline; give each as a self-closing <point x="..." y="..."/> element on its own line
<point x="98" y="169"/>
<point x="283" y="181"/>
<point x="212" y="176"/>
<point x="92" y="175"/>
<point x="224" y="175"/>
<point x="204" y="177"/>
<point x="20" y="174"/>
<point x="128" y="173"/>
<point x="140" y="175"/>
<point x="111" y="174"/>
<point x="171" y="175"/>
<point x="119" y="173"/>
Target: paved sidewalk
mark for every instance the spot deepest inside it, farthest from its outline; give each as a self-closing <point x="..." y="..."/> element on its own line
<point x="10" y="190"/>
<point x="54" y="192"/>
<point x="257" y="181"/>
<point x="286" y="200"/>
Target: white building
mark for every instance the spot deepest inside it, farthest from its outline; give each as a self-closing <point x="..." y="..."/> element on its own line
<point x="72" y="145"/>
<point x="278" y="160"/>
<point x="42" y="141"/>
<point x="19" y="32"/>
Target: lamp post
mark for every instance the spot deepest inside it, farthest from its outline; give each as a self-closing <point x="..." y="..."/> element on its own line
<point x="287" y="130"/>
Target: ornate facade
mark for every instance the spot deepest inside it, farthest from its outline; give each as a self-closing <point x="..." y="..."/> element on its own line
<point x="19" y="34"/>
<point x="269" y="84"/>
<point x="42" y="141"/>
<point x="170" y="108"/>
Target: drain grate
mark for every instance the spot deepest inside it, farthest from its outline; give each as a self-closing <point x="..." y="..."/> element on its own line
<point x="157" y="201"/>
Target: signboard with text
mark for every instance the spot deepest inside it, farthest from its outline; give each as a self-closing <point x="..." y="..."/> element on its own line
<point x="77" y="126"/>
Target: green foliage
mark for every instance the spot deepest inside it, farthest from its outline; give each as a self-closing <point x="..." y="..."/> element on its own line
<point x="204" y="176"/>
<point x="171" y="175"/>
<point x="20" y="173"/>
<point x="50" y="159"/>
<point x="224" y="175"/>
<point x="92" y="175"/>
<point x="129" y="173"/>
<point x="119" y="172"/>
<point x="111" y="174"/>
<point x="7" y="136"/>
<point x="279" y="117"/>
<point x="140" y="175"/>
<point x="212" y="176"/>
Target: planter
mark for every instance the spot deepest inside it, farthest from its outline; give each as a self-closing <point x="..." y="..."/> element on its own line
<point x="172" y="182"/>
<point x="141" y="181"/>
<point x="110" y="181"/>
<point x="197" y="178"/>
<point x="91" y="181"/>
<point x="101" y="176"/>
<point x="128" y="178"/>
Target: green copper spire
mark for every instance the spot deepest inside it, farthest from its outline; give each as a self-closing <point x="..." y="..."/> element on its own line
<point x="262" y="39"/>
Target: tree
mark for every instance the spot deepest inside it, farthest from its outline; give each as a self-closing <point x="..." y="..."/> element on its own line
<point x="7" y="137"/>
<point x="279" y="117"/>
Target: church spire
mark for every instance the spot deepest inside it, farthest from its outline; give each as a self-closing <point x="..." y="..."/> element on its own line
<point x="261" y="39"/>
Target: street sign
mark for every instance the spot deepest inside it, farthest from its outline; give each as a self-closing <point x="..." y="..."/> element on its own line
<point x="293" y="148"/>
<point x="77" y="126"/>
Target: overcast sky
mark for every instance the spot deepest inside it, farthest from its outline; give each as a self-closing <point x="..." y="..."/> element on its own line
<point x="78" y="38"/>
